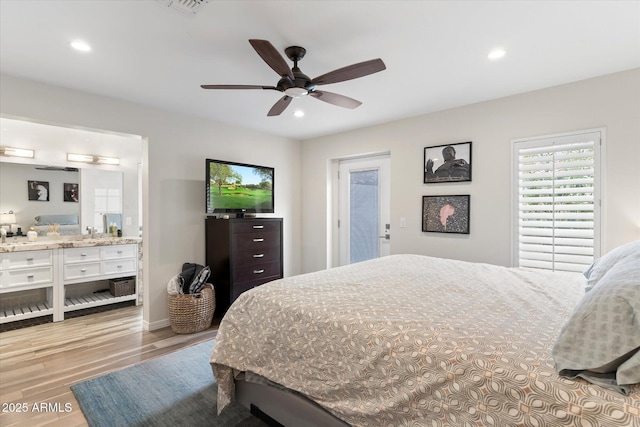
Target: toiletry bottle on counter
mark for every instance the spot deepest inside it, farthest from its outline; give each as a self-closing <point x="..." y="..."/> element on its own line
<point x="113" y="229"/>
<point x="32" y="236"/>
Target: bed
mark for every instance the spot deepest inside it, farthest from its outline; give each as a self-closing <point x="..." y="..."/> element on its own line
<point x="410" y="340"/>
<point x="65" y="224"/>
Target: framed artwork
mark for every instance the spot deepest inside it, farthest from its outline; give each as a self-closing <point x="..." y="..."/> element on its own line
<point x="447" y="163"/>
<point x="446" y="214"/>
<point x="70" y="192"/>
<point x="38" y="190"/>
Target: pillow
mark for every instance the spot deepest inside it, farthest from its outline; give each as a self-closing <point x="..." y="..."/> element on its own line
<point x="56" y="219"/>
<point x="600" y="266"/>
<point x="601" y="340"/>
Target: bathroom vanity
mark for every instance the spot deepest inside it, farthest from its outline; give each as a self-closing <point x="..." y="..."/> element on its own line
<point x="53" y="277"/>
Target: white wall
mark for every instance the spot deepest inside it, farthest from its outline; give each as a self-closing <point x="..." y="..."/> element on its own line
<point x="174" y="150"/>
<point x="611" y="101"/>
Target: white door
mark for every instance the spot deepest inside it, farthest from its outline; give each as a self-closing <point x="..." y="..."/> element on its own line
<point x="364" y="209"/>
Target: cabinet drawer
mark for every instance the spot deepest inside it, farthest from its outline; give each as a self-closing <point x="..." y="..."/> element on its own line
<point x="119" y="251"/>
<point x="267" y="270"/>
<point x="253" y="226"/>
<point x="73" y="255"/>
<point x="29" y="259"/>
<point x="119" y="266"/>
<point x="29" y="276"/>
<point x="256" y="256"/>
<point x="256" y="243"/>
<point x="77" y="271"/>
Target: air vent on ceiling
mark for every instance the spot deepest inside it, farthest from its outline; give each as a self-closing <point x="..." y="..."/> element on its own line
<point x="185" y="6"/>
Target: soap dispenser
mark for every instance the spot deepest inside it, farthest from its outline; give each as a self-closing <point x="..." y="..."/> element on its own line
<point x="32" y="235"/>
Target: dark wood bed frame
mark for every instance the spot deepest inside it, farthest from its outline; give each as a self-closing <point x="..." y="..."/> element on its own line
<point x="279" y="407"/>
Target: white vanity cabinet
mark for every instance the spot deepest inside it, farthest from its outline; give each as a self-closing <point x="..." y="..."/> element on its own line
<point x="54" y="278"/>
<point x="27" y="284"/>
<point x="82" y="265"/>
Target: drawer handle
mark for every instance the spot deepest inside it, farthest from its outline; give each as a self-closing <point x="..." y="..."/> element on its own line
<point x="258" y="240"/>
<point x="258" y="255"/>
<point x="119" y="252"/>
<point x="30" y="276"/>
<point x="83" y="254"/>
<point x="83" y="270"/>
<point x="29" y="259"/>
<point x="258" y="271"/>
<point x="258" y="226"/>
<point x="119" y="266"/>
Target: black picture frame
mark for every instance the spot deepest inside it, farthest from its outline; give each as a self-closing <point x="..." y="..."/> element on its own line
<point x="457" y="169"/>
<point x="38" y="191"/>
<point x="70" y="192"/>
<point x="446" y="214"/>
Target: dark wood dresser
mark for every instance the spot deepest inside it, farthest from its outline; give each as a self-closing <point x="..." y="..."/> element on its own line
<point x="242" y="254"/>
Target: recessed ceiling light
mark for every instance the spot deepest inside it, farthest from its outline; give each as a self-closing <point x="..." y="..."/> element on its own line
<point x="81" y="46"/>
<point x="298" y="113"/>
<point x="496" y="54"/>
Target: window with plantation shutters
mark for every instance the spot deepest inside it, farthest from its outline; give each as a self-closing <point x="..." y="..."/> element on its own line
<point x="557" y="201"/>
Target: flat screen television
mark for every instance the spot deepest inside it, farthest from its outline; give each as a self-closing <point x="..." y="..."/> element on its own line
<point x="238" y="188"/>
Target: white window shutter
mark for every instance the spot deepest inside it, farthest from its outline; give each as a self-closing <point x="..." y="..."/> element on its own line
<point x="557" y="202"/>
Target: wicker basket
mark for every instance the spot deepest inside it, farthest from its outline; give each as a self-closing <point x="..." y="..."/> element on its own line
<point x="190" y="313"/>
<point x="122" y="287"/>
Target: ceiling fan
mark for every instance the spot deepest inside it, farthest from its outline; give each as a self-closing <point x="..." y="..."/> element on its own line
<point x="294" y="83"/>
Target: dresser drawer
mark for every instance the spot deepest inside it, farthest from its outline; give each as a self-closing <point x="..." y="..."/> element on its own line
<point x="256" y="243"/>
<point x="29" y="259"/>
<point x="81" y="270"/>
<point x="266" y="270"/>
<point x="29" y="276"/>
<point x="256" y="256"/>
<point x="119" y="251"/>
<point x="253" y="226"/>
<point x="74" y="255"/>
<point x="119" y="266"/>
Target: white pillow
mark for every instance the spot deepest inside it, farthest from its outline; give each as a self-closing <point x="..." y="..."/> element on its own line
<point x="601" y="340"/>
<point x="603" y="264"/>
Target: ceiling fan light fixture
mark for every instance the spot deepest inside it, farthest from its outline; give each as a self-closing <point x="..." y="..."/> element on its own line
<point x="296" y="92"/>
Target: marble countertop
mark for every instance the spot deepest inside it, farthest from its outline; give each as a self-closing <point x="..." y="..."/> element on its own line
<point x="11" y="246"/>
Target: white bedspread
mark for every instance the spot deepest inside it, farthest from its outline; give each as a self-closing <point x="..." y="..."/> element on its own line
<point x="408" y="340"/>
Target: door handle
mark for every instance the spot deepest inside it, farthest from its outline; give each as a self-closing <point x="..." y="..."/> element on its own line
<point x="387" y="235"/>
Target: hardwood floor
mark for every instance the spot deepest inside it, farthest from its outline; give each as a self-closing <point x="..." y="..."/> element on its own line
<point x="38" y="364"/>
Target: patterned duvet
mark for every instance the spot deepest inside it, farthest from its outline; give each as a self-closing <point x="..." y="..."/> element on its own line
<point x="409" y="340"/>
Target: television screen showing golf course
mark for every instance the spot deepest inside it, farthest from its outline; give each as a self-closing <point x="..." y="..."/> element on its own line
<point x="234" y="187"/>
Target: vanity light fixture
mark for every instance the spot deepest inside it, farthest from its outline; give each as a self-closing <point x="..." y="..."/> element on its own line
<point x="91" y="158"/>
<point x="16" y="152"/>
<point x="108" y="160"/>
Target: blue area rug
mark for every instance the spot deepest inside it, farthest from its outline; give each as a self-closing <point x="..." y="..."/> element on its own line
<point x="177" y="389"/>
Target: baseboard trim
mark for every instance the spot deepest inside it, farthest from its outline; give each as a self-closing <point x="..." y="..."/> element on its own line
<point x="152" y="326"/>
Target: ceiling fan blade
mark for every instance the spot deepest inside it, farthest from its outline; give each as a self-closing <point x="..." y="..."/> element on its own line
<point x="280" y="106"/>
<point x="335" y="99"/>
<point x="237" y="87"/>
<point x="272" y="57"/>
<point x="350" y="72"/>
